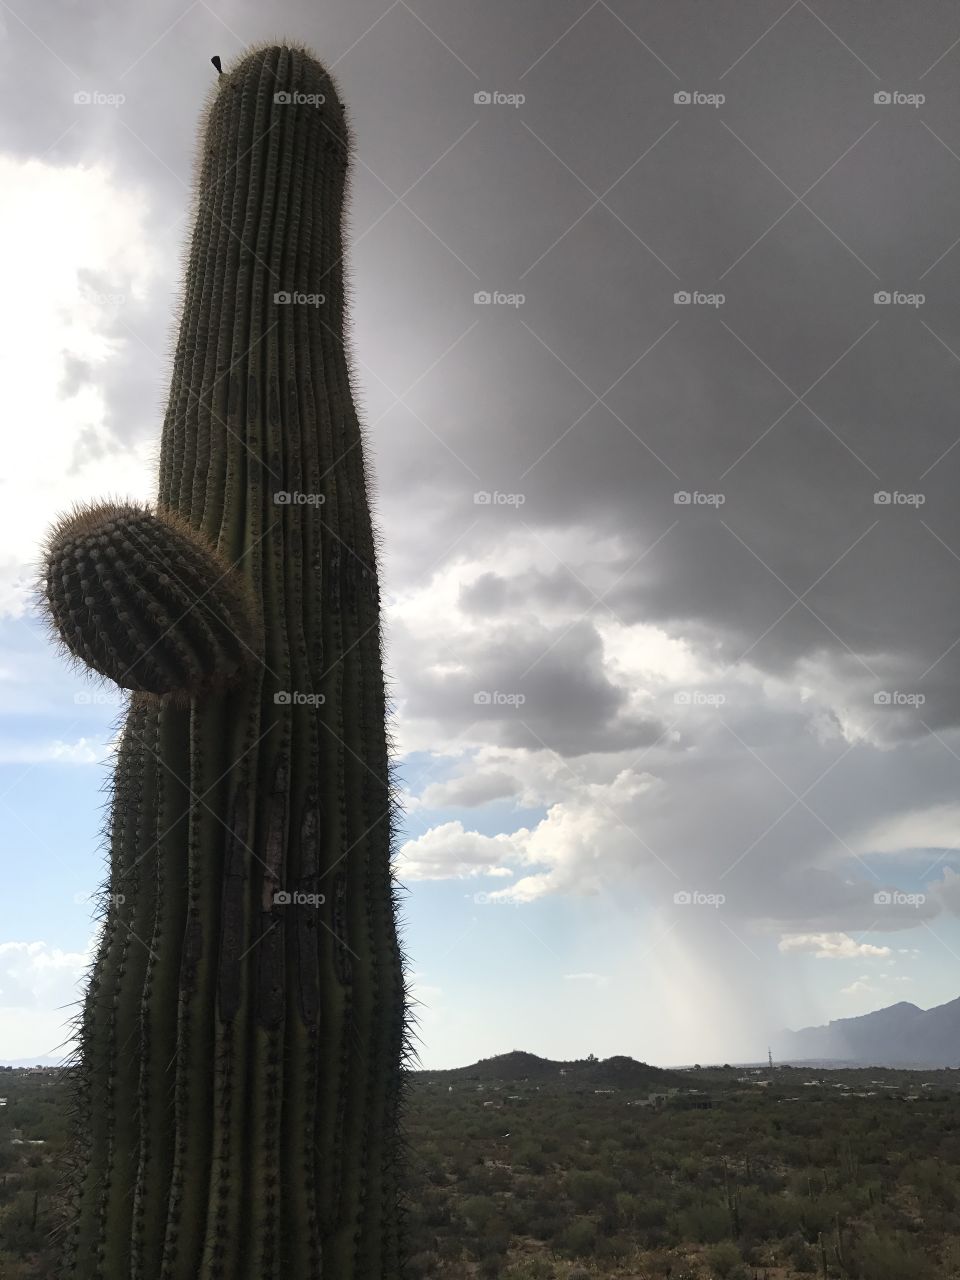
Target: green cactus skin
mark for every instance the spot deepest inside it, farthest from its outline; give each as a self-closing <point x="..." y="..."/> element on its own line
<point x="239" y="1081"/>
<point x="143" y="601"/>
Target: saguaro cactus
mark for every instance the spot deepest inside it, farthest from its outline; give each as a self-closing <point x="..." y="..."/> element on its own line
<point x="244" y="1034"/>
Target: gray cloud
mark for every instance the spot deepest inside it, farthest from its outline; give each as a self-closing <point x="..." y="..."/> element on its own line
<point x="599" y="398"/>
<point x="527" y="685"/>
<point x="471" y="790"/>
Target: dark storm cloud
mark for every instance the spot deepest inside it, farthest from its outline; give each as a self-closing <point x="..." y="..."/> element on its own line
<point x="525" y="686"/>
<point x="492" y="594"/>
<point x="598" y="398"/>
<point x="699" y="398"/>
<point x="797" y="400"/>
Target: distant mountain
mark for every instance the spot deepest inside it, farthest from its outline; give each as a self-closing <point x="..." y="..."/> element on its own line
<point x="901" y="1035"/>
<point x="616" y="1072"/>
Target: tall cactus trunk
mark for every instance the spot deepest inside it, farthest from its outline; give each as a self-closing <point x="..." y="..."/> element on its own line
<point x="244" y="1035"/>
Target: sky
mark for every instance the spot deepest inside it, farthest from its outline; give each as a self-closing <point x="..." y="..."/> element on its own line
<point x="655" y="342"/>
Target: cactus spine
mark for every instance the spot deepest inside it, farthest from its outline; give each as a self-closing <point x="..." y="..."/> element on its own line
<point x="238" y="1082"/>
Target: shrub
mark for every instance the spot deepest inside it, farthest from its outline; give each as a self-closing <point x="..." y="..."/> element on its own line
<point x="724" y="1259"/>
<point x="477" y="1212"/>
<point x="614" y="1246"/>
<point x="531" y="1156"/>
<point x="708" y="1223"/>
<point x="591" y="1190"/>
<point x="579" y="1237"/>
<point x="885" y="1258"/>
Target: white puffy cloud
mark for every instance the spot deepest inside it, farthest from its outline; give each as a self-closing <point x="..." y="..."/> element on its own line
<point x="448" y="852"/>
<point x="831" y="946"/>
<point x="582" y="839"/>
<point x="858" y="988"/>
<point x="40" y="985"/>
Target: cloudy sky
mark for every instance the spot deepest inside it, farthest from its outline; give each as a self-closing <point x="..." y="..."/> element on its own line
<point x="656" y="342"/>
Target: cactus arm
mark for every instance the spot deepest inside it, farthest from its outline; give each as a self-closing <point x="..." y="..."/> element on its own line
<point x="141" y="600"/>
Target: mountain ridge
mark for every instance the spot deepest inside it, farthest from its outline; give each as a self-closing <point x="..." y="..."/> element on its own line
<point x="898" y="1035"/>
<point x="618" y="1070"/>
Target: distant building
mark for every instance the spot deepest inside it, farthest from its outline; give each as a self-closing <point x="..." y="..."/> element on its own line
<point x="651" y="1100"/>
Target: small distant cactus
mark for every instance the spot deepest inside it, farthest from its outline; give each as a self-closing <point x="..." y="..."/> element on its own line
<point x="242" y="1042"/>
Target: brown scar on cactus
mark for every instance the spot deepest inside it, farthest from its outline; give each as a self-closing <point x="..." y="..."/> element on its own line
<point x="140" y="598"/>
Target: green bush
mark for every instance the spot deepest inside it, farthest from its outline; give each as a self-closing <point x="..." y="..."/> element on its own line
<point x="477" y="1212"/>
<point x="16" y="1225"/>
<point x="614" y="1246"/>
<point x="530" y="1155"/>
<point x="591" y="1190"/>
<point x="875" y="1257"/>
<point x="801" y="1256"/>
<point x="707" y="1223"/>
<point x="579" y="1238"/>
<point x="724" y="1259"/>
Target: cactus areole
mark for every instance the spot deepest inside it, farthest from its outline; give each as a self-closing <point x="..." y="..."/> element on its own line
<point x="243" y="1038"/>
